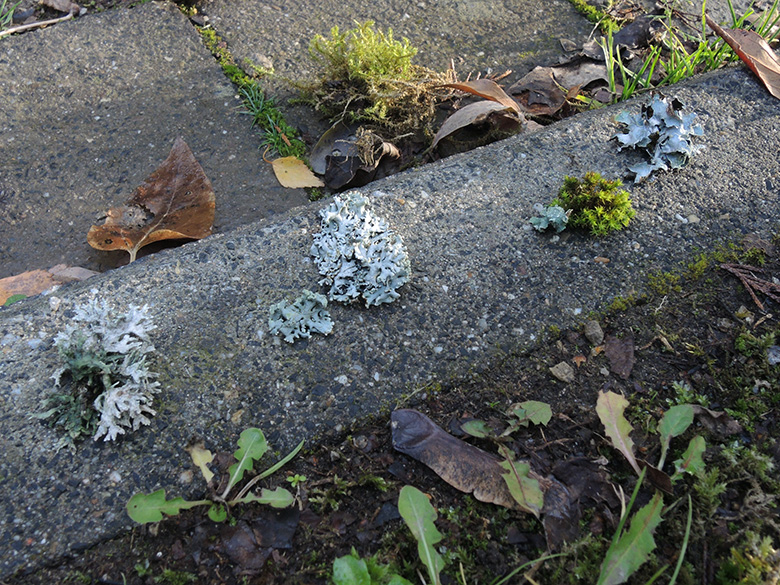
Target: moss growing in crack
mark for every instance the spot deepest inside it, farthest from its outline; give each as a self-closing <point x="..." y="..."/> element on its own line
<point x="605" y="22"/>
<point x="597" y="205"/>
<point x="278" y="135"/>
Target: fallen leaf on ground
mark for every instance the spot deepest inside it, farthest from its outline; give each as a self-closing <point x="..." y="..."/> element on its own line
<point x="755" y="52"/>
<point x="338" y="140"/>
<point x="620" y="353"/>
<point x="657" y="478"/>
<point x="474" y="114"/>
<point x="175" y="202"/>
<point x="718" y="423"/>
<point x="463" y="466"/>
<point x="538" y="93"/>
<point x="37" y="281"/>
<point x="488" y="89"/>
<point x="561" y="516"/>
<point x="249" y="544"/>
<point x="610" y="408"/>
<point x="292" y="172"/>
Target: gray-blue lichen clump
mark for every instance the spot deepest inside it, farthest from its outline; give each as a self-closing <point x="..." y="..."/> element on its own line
<point x="358" y="254"/>
<point x="299" y="318"/>
<point x="663" y="132"/>
<point x="109" y="388"/>
<point x="552" y="216"/>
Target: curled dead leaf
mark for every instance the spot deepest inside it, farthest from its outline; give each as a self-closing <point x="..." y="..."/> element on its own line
<point x="488" y="89"/>
<point x="175" y="202"/>
<point x="755" y="52"/>
<point x="473" y="114"/>
<point x="463" y="466"/>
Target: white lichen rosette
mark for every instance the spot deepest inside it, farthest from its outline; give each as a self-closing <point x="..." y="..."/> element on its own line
<point x="358" y="254"/>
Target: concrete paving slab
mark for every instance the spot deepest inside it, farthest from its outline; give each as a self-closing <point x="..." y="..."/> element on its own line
<point x="484" y="283"/>
<point x="91" y="107"/>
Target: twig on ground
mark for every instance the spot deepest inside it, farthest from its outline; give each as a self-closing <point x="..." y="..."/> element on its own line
<point x="752" y="283"/>
<point x="32" y="25"/>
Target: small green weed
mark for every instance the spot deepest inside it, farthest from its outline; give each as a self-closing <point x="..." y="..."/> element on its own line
<point x="252" y="445"/>
<point x="597" y="204"/>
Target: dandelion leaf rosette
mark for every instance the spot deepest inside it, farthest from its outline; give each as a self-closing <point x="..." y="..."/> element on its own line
<point x="358" y="254"/>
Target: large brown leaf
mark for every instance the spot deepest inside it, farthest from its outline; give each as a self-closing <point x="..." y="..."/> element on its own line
<point x="755" y="52"/>
<point x="474" y="114"/>
<point x="175" y="202"/>
<point x="463" y="466"/>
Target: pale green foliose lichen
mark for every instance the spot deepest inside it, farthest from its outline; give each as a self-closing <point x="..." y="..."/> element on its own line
<point x="358" y="254"/>
<point x="109" y="388"/>
<point x="552" y="216"/>
<point x="662" y="132"/>
<point x="299" y="318"/>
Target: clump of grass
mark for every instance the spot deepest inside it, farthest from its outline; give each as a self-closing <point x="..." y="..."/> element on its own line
<point x="7" y="13"/>
<point x="277" y="133"/>
<point x="370" y="78"/>
<point x="597" y="204"/>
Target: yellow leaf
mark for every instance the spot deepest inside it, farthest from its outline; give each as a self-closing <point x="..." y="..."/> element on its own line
<point x="292" y="172"/>
<point x="201" y="457"/>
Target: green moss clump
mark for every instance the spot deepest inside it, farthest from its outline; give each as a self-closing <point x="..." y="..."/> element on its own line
<point x="370" y="77"/>
<point x="364" y="54"/>
<point x="596" y="204"/>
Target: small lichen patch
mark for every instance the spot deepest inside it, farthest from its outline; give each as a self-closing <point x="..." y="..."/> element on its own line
<point x="299" y="318"/>
<point x="358" y="254"/>
<point x="104" y="388"/>
<point x="662" y="132"/>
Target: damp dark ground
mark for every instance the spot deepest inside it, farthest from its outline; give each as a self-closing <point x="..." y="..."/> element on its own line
<point x="698" y="337"/>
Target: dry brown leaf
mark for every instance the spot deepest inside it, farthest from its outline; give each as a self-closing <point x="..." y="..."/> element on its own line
<point x="175" y="202"/>
<point x="620" y="353"/>
<point x="37" y="281"/>
<point x="463" y="466"/>
<point x="579" y="360"/>
<point x="470" y="114"/>
<point x="293" y="173"/>
<point x="488" y="89"/>
<point x="539" y="93"/>
<point x="755" y="52"/>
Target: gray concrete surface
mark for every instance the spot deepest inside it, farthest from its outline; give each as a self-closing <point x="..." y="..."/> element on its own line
<point x="91" y="107"/>
<point x="484" y="283"/>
